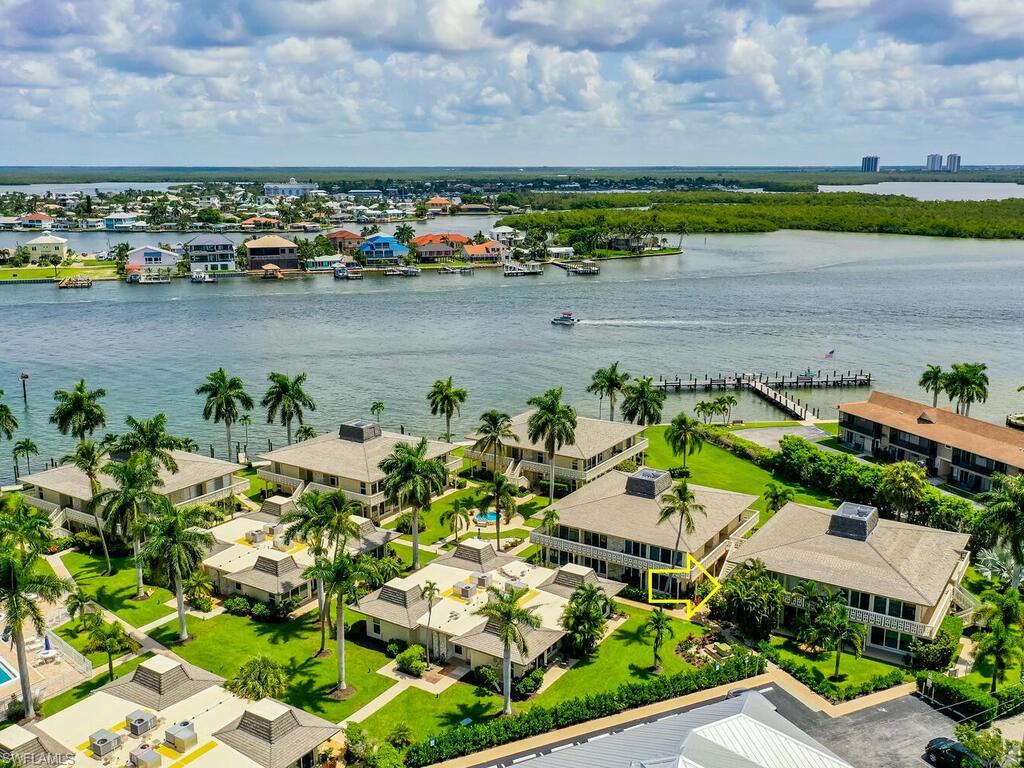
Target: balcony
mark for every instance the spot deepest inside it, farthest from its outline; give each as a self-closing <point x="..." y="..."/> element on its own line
<point x="371" y="499"/>
<point x="586" y="475"/>
<point x="216" y="495"/>
<point x="46" y="506"/>
<point x="278" y="479"/>
<point x="885" y="621"/>
<point x="586" y="550"/>
<point x="864" y="428"/>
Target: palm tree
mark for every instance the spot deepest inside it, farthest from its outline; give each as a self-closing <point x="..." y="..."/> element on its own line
<point x="753" y="599"/>
<point x="376" y="409"/>
<point x="727" y="403"/>
<point x="246" y="421"/>
<point x="903" y="487"/>
<point x="109" y="637"/>
<point x="286" y="398"/>
<point x="776" y="496"/>
<point x="679" y="504"/>
<point x="411" y="478"/>
<point x="446" y="400"/>
<point x="226" y="398"/>
<point x="658" y="624"/>
<point x="614" y="383"/>
<point x="430" y="592"/>
<point x="500" y="494"/>
<point x="1006" y="608"/>
<point x="305" y="432"/>
<point x="1002" y="646"/>
<point x="22" y="527"/>
<point x="583" y="618"/>
<point x="836" y="631"/>
<point x="198" y="585"/>
<point x="549" y="522"/>
<point x="151" y="439"/>
<point x="260" y="677"/>
<point x="346" y="574"/>
<point x="704" y="410"/>
<point x="967" y="383"/>
<point x="599" y="385"/>
<point x="510" y="621"/>
<point x="77" y="604"/>
<point x="176" y="538"/>
<point x="89" y="458"/>
<point x="404" y="233"/>
<point x="494" y="428"/>
<point x="78" y="411"/>
<point x="24" y="588"/>
<point x="643" y="402"/>
<point x="23" y="449"/>
<point x="933" y="380"/>
<point x="8" y="422"/>
<point x="126" y="506"/>
<point x="553" y="423"/>
<point x="320" y="572"/>
<point x="456" y="517"/>
<point x="1004" y="516"/>
<point x="685" y="436"/>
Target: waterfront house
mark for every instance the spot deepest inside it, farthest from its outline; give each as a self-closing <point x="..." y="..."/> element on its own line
<point x="456" y="633"/>
<point x="474" y="208"/>
<point x="489" y="250"/>
<point x="322" y="263"/>
<point x="211" y="253"/>
<point x="272" y="249"/>
<point x="611" y="525"/>
<point x="9" y="222"/>
<point x="347" y="460"/>
<point x="47" y="245"/>
<point x="438" y="205"/>
<point x="290" y="188"/>
<point x="64" y="492"/>
<point x="365" y="194"/>
<point x="957" y="449"/>
<point x="599" y="446"/>
<point x="36" y="221"/>
<point x="563" y="252"/>
<point x="259" y="222"/>
<point x="899" y="580"/>
<point x="507" y="236"/>
<point x="438" y="247"/>
<point x="633" y="243"/>
<point x="147" y="258"/>
<point x="171" y="713"/>
<point x="120" y="221"/>
<point x="345" y="241"/>
<point x="381" y="250"/>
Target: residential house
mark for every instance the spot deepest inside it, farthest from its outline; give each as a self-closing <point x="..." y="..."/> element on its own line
<point x="489" y="250"/>
<point x="347" y="461"/>
<point x="120" y="221"/>
<point x="629" y="242"/>
<point x="957" y="449"/>
<point x="259" y="222"/>
<point x="612" y="525"/>
<point x="9" y="222"/>
<point x="47" y="245"/>
<point x="438" y="247"/>
<point x="36" y="221"/>
<point x="272" y="249"/>
<point x="451" y="627"/>
<point x="290" y="188"/>
<point x="438" y="205"/>
<point x="563" y="252"/>
<point x="381" y="250"/>
<point x="599" y="446"/>
<point x="168" y="712"/>
<point x="64" y="492"/>
<point x="899" y="580"/>
<point x="345" y="241"/>
<point x="150" y="258"/>
<point x="474" y="208"/>
<point x="322" y="263"/>
<point x="365" y="194"/>
<point x="211" y="253"/>
<point x="507" y="236"/>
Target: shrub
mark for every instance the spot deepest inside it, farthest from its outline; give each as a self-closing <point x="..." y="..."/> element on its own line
<point x="739" y="446"/>
<point x="965" y="702"/>
<point x="404" y="523"/>
<point x="281" y="611"/>
<point x="59" y="545"/>
<point x="401" y="735"/>
<point x="487" y="677"/>
<point x="16" y="708"/>
<point x="935" y="654"/>
<point x="816" y="680"/>
<point x="238" y="605"/>
<point x="626" y="465"/>
<point x="680" y="473"/>
<point x="386" y="756"/>
<point x="412" y="660"/>
<point x="1011" y="700"/>
<point x="395" y="647"/>
<point x="260" y="612"/>
<point x="460" y="483"/>
<point x="201" y="603"/>
<point x="527" y="685"/>
<point x="88" y="542"/>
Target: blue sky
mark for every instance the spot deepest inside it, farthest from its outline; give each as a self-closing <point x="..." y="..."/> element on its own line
<point x="510" y="82"/>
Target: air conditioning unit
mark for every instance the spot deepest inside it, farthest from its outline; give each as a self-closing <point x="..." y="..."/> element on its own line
<point x="484" y="580"/>
<point x="103" y="742"/>
<point x="139" y="722"/>
<point x="256" y="536"/>
<point x="145" y="756"/>
<point x="181" y="736"/>
<point x="466" y="591"/>
<point x="280" y="544"/>
<point x="513" y="584"/>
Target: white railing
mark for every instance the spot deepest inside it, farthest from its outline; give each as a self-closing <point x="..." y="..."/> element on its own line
<point x="43" y="504"/>
<point x="83" y="518"/>
<point x="69" y="654"/>
<point x="587" y="550"/>
<point x="748" y="524"/>
<point x="712" y="557"/>
<point x="277" y="477"/>
<point x="364" y="498"/>
<point x="216" y="495"/>
<point x="454" y="464"/>
<point x="544" y="467"/>
<point x="884" y="620"/>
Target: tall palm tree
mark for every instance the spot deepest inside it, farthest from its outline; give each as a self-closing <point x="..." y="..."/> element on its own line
<point x="226" y="399"/>
<point x="305" y="432"/>
<point x="376" y="409"/>
<point x="836" y="630"/>
<point x="22" y="527"/>
<point x="599" y="385"/>
<point x="614" y="384"/>
<point x="175" y="537"/>
<point x="643" y="402"/>
<point x="127" y="505"/>
<point x="549" y="521"/>
<point x="1006" y="607"/>
<point x="404" y="233"/>
<point x="776" y="496"/>
<point x="411" y="478"/>
<point x="430" y="593"/>
<point x="23" y="449"/>
<point x="109" y="637"/>
<point x="320" y="572"/>
<point x="89" y="458"/>
<point x="286" y="398"/>
<point x="78" y="410"/>
<point x="457" y="517"/>
<point x="345" y="576"/>
<point x="967" y="383"/>
<point x="493" y="430"/>
<point x="685" y="436"/>
<point x="151" y="439"/>
<point x="24" y="588"/>
<point x="903" y="487"/>
<point x="1002" y="646"/>
<point x="246" y="421"/>
<point x="499" y="494"/>
<point x="553" y="423"/>
<point x="933" y="380"/>
<point x="446" y="400"/>
<point x="1004" y="516"/>
<point x="583" y="618"/>
<point x="658" y="625"/>
<point x="8" y="422"/>
<point x="680" y="505"/>
<point x="510" y="621"/>
<point x="727" y="403"/>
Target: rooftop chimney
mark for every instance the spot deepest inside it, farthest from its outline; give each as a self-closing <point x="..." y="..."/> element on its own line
<point x="649" y="483"/>
<point x="359" y="431"/>
<point x="853" y="521"/>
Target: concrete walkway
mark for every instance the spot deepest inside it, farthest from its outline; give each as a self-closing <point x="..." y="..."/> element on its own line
<point x="404" y="682"/>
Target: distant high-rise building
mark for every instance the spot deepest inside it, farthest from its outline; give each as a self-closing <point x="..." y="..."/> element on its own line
<point x="933" y="163"/>
<point x="953" y="163"/>
<point x="869" y="164"/>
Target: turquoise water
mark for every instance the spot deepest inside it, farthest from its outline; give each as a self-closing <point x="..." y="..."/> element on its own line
<point x="490" y="517"/>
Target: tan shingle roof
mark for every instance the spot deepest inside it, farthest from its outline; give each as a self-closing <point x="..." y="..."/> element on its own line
<point x="398" y="602"/>
<point x="592" y="436"/>
<point x="161" y="682"/>
<point x="275" y="735"/>
<point x="942" y="425"/>
<point x="486" y="640"/>
<point x="899" y="560"/>
<point x="269" y="241"/>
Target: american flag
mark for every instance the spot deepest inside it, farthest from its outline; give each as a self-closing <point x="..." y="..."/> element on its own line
<point x="830" y="355"/>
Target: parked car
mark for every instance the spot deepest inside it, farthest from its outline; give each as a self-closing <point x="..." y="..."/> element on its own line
<point x="947" y="753"/>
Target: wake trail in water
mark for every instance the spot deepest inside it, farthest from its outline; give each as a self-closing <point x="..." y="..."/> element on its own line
<point x="667" y="323"/>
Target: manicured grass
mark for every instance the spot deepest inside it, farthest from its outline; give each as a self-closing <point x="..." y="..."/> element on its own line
<point x="222" y="644"/>
<point x="853" y="671"/>
<point x="531" y="509"/>
<point x="532" y="522"/>
<point x="34" y="273"/>
<point x="529" y="553"/>
<point x="976" y="583"/>
<point x="834" y="444"/>
<point x="429" y="715"/>
<point x="82" y="690"/>
<point x="116" y="592"/>
<point x="434" y="531"/>
<point x="761" y="424"/>
<point x="256" y="483"/>
<point x="404" y="551"/>
<point x="832" y="427"/>
<point x="514" y="533"/>
<point x="981" y="675"/>
<point x="77" y="639"/>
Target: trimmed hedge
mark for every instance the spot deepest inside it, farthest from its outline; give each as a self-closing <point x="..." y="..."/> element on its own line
<point x="816" y="680"/>
<point x="740" y="446"/>
<point x="464" y="740"/>
<point x="1011" y="700"/>
<point x="969" y="703"/>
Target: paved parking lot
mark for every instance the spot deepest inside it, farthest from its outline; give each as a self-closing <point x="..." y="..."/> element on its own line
<point x="769" y="437"/>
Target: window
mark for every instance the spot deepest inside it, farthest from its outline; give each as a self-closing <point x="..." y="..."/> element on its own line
<point x="457" y="649"/>
<point x="860" y="600"/>
<point x="376" y="626"/>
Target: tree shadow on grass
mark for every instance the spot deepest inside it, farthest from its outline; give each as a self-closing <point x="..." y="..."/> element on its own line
<point x="627" y="635"/>
<point x="477" y="711"/>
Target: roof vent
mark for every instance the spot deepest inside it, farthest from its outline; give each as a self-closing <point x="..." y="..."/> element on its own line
<point x="853" y="521"/>
<point x="925" y="418"/>
<point x="359" y="431"/>
<point x="648" y="483"/>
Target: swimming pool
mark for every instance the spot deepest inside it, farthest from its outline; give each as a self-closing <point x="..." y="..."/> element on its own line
<point x="7" y="673"/>
<point x="486" y="517"/>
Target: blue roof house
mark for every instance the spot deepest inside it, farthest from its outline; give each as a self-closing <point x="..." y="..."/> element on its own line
<point x="381" y="250"/>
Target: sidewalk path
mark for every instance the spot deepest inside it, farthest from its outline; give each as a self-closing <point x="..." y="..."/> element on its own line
<point x="404" y="683"/>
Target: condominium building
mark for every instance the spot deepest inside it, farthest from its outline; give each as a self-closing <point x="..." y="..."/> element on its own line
<point x="347" y="461"/>
<point x="869" y="164"/>
<point x="598" y="447"/>
<point x="899" y="580"/>
<point x="612" y="525"/>
<point x="290" y="188"/>
<point x="933" y="162"/>
<point x="953" y="163"/>
<point x="960" y="450"/>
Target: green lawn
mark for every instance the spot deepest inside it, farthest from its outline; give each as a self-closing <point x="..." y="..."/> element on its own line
<point x="82" y="690"/>
<point x="77" y="640"/>
<point x="531" y="509"/>
<point x="852" y="670"/>
<point x="514" y="533"/>
<point x="429" y="714"/>
<point x="116" y="592"/>
<point x="835" y="445"/>
<point x="96" y="271"/>
<point x="761" y="425"/>
<point x="717" y="468"/>
<point x="832" y="427"/>
<point x="404" y="551"/>
<point x="431" y="518"/>
<point x="256" y="483"/>
<point x="975" y="583"/>
<point x="222" y="644"/>
<point x="981" y="674"/>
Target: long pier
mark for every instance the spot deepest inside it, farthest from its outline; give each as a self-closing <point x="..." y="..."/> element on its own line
<point x="768" y="386"/>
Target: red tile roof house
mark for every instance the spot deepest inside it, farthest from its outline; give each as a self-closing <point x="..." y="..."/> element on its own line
<point x="489" y="250"/>
<point x="438" y="205"/>
<point x="259" y="222"/>
<point x="36" y="221"/>
<point x="345" y="241"/>
<point x="439" y="247"/>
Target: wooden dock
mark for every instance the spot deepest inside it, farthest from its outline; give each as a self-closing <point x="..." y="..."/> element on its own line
<point x="519" y="269"/>
<point x="586" y="267"/>
<point x="769" y="386"/>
